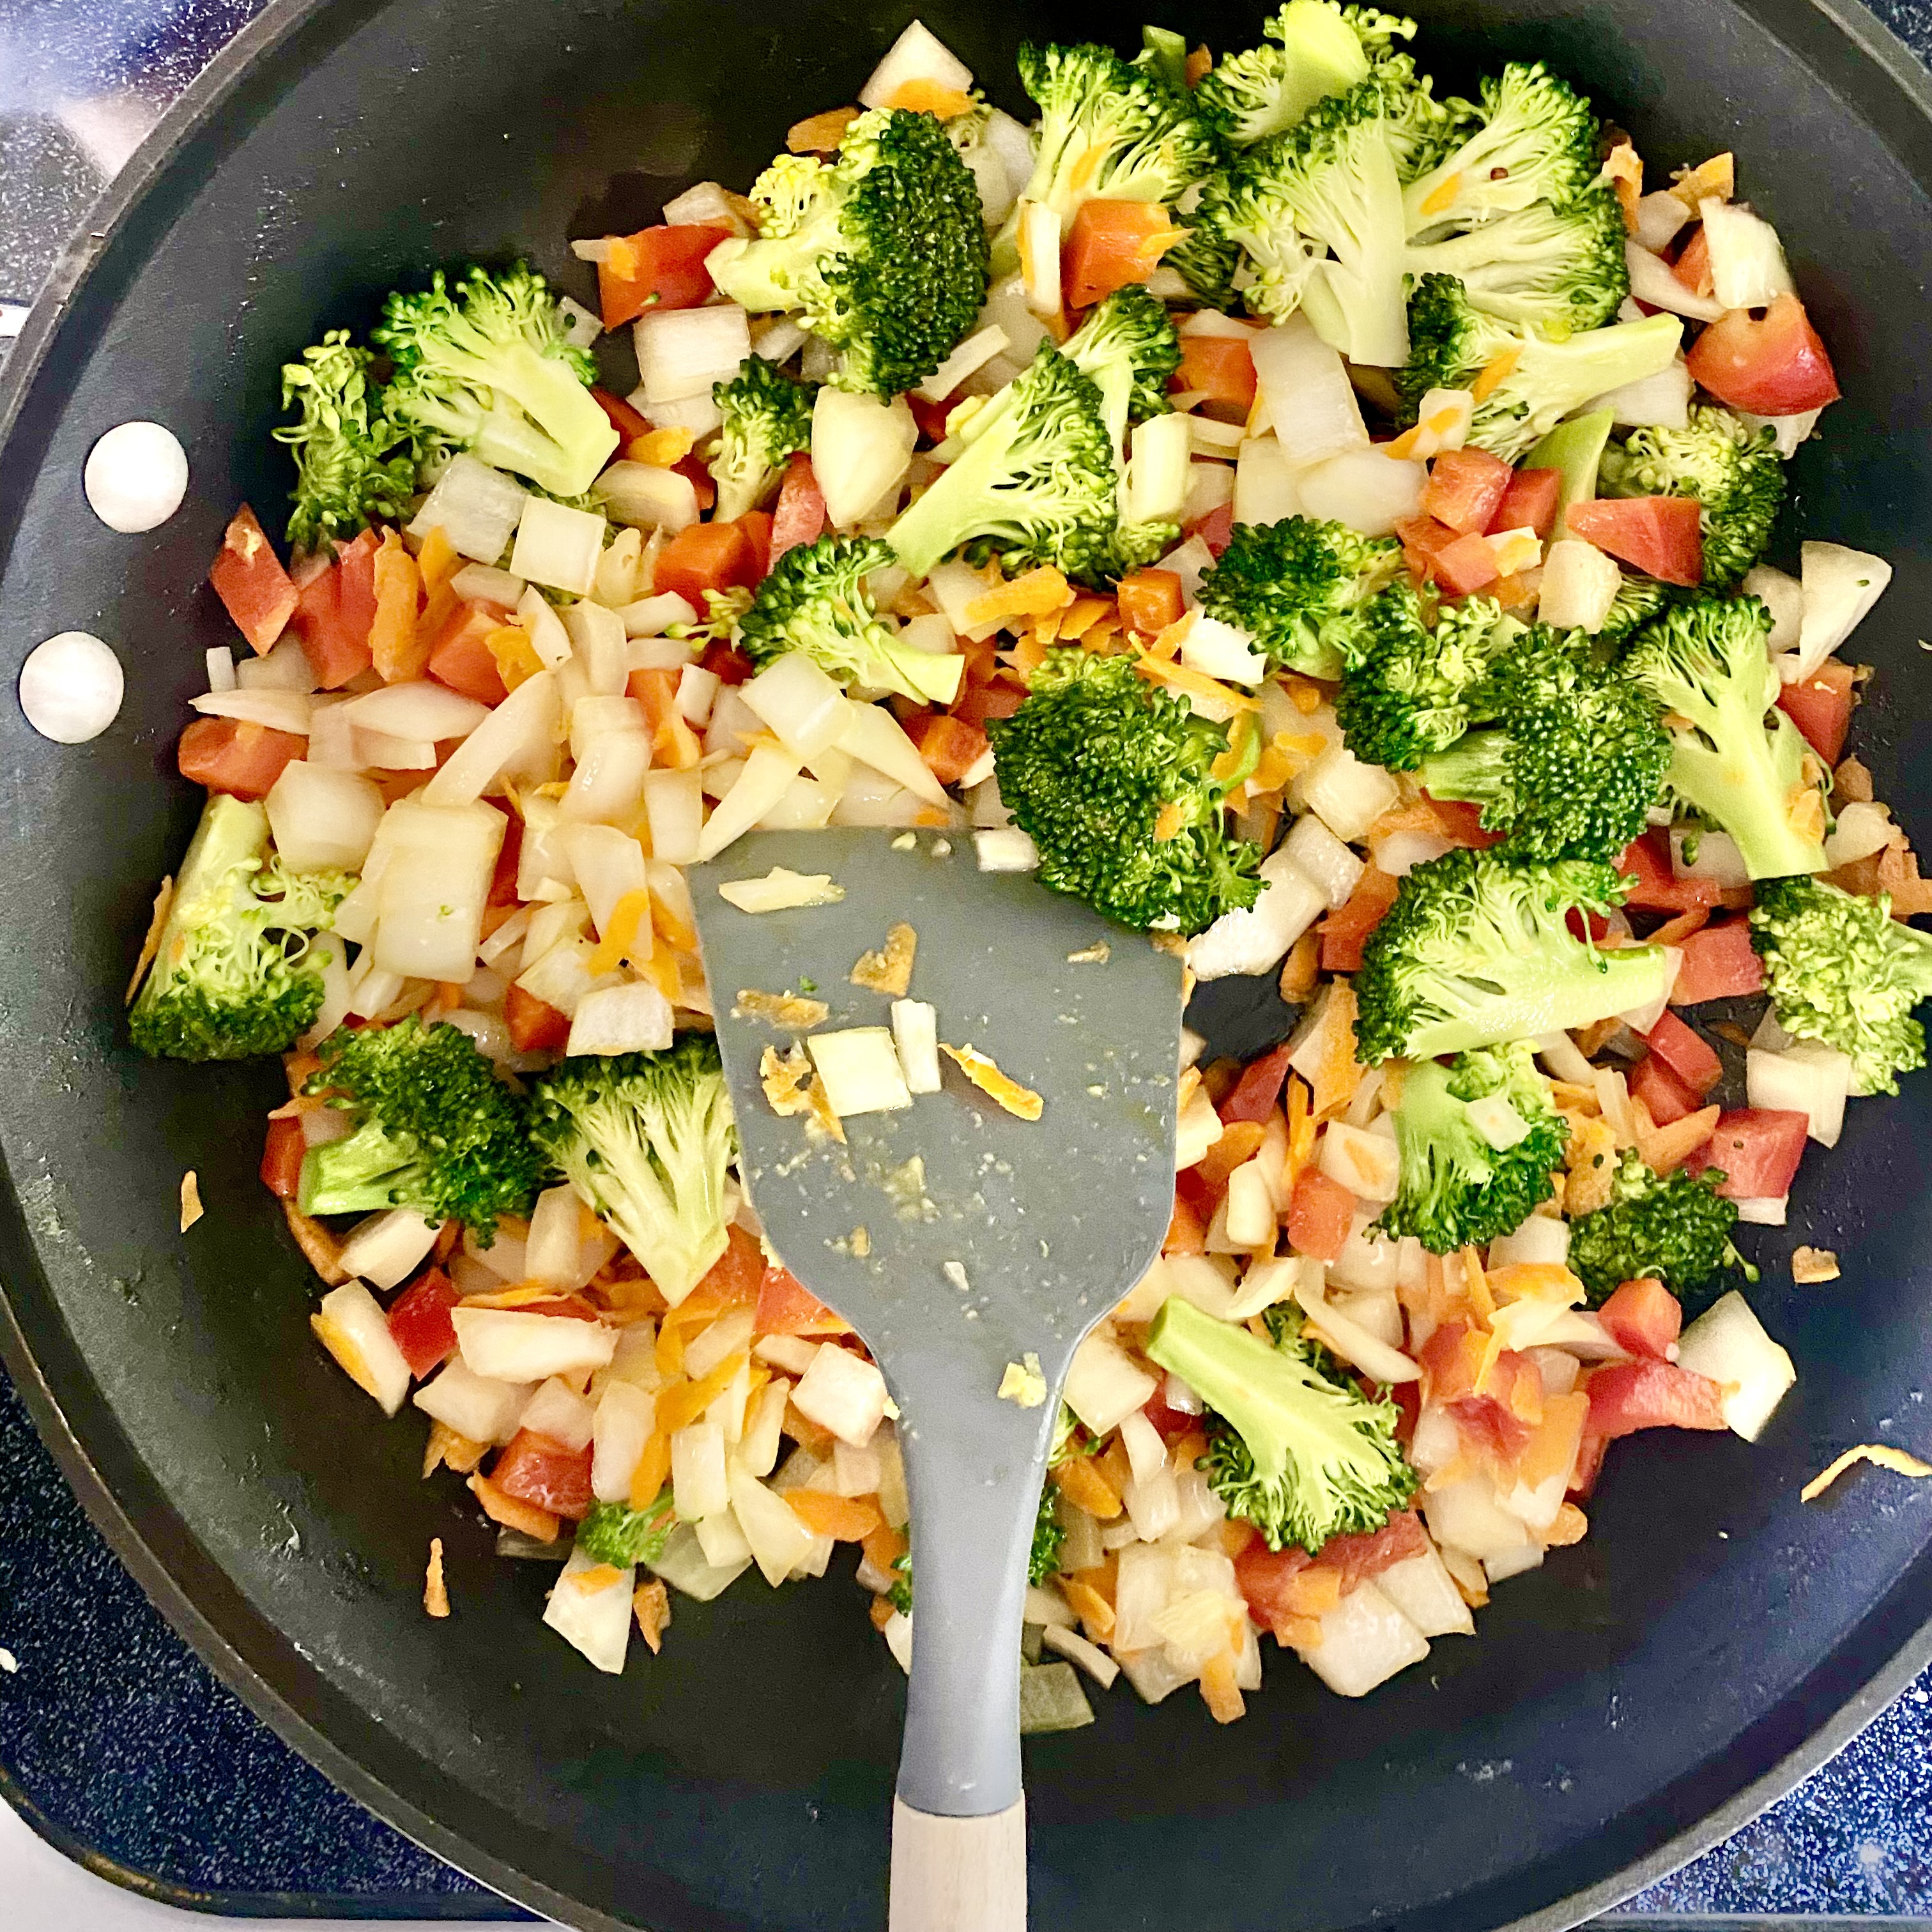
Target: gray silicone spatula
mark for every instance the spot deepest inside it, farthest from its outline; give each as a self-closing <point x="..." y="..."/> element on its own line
<point x="1022" y="1235"/>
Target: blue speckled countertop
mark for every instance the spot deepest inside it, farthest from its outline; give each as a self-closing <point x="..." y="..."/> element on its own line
<point x="117" y="1743"/>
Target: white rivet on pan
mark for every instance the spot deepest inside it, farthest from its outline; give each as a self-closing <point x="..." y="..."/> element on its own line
<point x="136" y="477"/>
<point x="70" y="688"/>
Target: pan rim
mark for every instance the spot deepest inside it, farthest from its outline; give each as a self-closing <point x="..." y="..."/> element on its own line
<point x="1884" y="74"/>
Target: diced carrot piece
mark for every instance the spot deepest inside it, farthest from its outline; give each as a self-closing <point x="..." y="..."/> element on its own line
<point x="705" y="557"/>
<point x="1465" y="486"/>
<point x="1220" y="369"/>
<point x="626" y="421"/>
<point x="1111" y="243"/>
<point x="233" y="755"/>
<point x="844" y="1518"/>
<point x="535" y="1026"/>
<point x="800" y="515"/>
<point x="756" y="526"/>
<point x="461" y="658"/>
<point x="1187" y="1232"/>
<point x="1466" y="565"/>
<point x="1692" y="265"/>
<point x="1150" y="600"/>
<point x="656" y="268"/>
<point x="950" y="747"/>
<point x="282" y="1159"/>
<point x="248" y="577"/>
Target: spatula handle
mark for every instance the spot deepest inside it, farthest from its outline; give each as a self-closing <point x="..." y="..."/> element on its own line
<point x="958" y="1874"/>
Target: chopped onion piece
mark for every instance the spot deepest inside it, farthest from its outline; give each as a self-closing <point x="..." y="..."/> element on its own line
<point x="279" y="710"/>
<point x="386" y="1248"/>
<point x="1039" y="256"/>
<point x="322" y="819"/>
<point x="478" y="1406"/>
<point x="1728" y="1343"/>
<point x="979" y="349"/>
<point x="1840" y="586"/>
<point x="634" y="1018"/>
<point x="477" y="509"/>
<point x="647" y="496"/>
<point x="872" y="735"/>
<point x="859" y="1068"/>
<point x="805" y="709"/>
<point x="1304" y="394"/>
<point x="861" y="449"/>
<point x="1265" y="485"/>
<point x="593" y="1617"/>
<point x="682" y="352"/>
<point x="1159" y="472"/>
<point x="760" y="786"/>
<point x="781" y="890"/>
<point x="918" y="54"/>
<point x="350" y="1325"/>
<point x="559" y="547"/>
<point x="1652" y="281"/>
<point x="524" y="722"/>
<point x="1747" y="264"/>
<point x="512" y="1344"/>
<point x="915" y="1036"/>
<point x="420" y="709"/>
<point x="1006" y="849"/>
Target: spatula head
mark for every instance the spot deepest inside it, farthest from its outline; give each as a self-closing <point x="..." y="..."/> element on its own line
<point x="1007" y="1235"/>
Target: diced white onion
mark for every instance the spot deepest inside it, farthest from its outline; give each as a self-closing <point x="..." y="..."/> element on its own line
<point x="386" y="1248"/>
<point x="1728" y="1343"/>
<point x="596" y="1622"/>
<point x="279" y="710"/>
<point x="418" y="709"/>
<point x="477" y="508"/>
<point x="354" y="1330"/>
<point x="916" y="1037"/>
<point x="1365" y="489"/>
<point x="860" y="449"/>
<point x="558" y="546"/>
<point x="1652" y="281"/>
<point x="1840" y="585"/>
<point x="1305" y="395"/>
<point x="322" y="819"/>
<point x="682" y="352"/>
<point x="859" y="1068"/>
<point x="635" y="1017"/>
<point x="1748" y="265"/>
<point x="647" y="496"/>
<point x="918" y="54"/>
<point x="1158" y="469"/>
<point x="841" y="1392"/>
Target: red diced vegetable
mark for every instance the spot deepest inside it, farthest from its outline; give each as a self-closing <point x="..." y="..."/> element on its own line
<point x="336" y="648"/>
<point x="1423" y="540"/>
<point x="1774" y="366"/>
<point x="950" y="746"/>
<point x="1686" y="1052"/>
<point x="1626" y="1396"/>
<point x="756" y="526"/>
<point x="706" y="556"/>
<point x="1643" y="1317"/>
<point x="248" y="577"/>
<point x="1759" y="1149"/>
<point x="1692" y="265"/>
<point x="1661" y="535"/>
<point x="799" y="517"/>
<point x="1465" y="486"/>
<point x="787" y="1307"/>
<point x="1320" y="1213"/>
<point x="728" y="664"/>
<point x="629" y="422"/>
<point x="537" y="1471"/>
<point x="535" y="1026"/>
<point x="1664" y="1092"/>
<point x="420" y="1324"/>
<point x="231" y="755"/>
<point x="656" y="268"/>
<point x="1658" y="889"/>
<point x="1530" y="502"/>
<point x="1345" y="930"/>
<point x="1718" y="965"/>
<point x="358" y="594"/>
<point x="1821" y="708"/>
<point x="1253" y="1096"/>
<point x="1466" y="565"/>
<point x="1221" y="369"/>
<point x="282" y="1159"/>
<point x="503" y="880"/>
<point x="1216" y="529"/>
<point x="1111" y="243"/>
<point x="461" y="658"/>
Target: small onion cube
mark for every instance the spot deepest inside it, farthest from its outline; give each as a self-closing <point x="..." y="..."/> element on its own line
<point x="351" y="1325"/>
<point x="859" y="1068"/>
<point x="842" y="1393"/>
<point x="915" y="1036"/>
<point x="559" y="547"/>
<point x="595" y="1621"/>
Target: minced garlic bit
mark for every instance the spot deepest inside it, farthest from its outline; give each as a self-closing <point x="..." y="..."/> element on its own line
<point x="1900" y="1461"/>
<point x="1024" y="1382"/>
<point x="889" y="970"/>
<point x="1021" y="1102"/>
<point x="862" y="1243"/>
<point x="164" y="899"/>
<point x="791" y="1011"/>
<point x="650" y="1602"/>
<point x="1810" y="1265"/>
<point x="1096" y="955"/>
<point x="906" y="842"/>
<point x="436" y="1593"/>
<point x="781" y="891"/>
<point x="955" y="1273"/>
<point x="191" y="1209"/>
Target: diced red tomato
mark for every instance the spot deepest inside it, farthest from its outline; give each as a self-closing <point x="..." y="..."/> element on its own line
<point x="1264" y="1576"/>
<point x="1530" y="502"/>
<point x="1626" y="1396"/>
<point x="1777" y="367"/>
<point x="1366" y="1553"/>
<point x="1253" y="1097"/>
<point x="787" y="1307"/>
<point x="509" y="855"/>
<point x="1464" y="488"/>
<point x="1345" y="931"/>
<point x="1759" y="1149"/>
<point x="1718" y="965"/>
<point x="984" y="696"/>
<point x="1662" y="1090"/>
<point x="1643" y="1317"/>
<point x="1221" y="370"/>
<point x="1657" y="534"/>
<point x="1423" y="540"/>
<point x="461" y="658"/>
<point x="1216" y="529"/>
<point x="282" y="1159"/>
<point x="706" y="556"/>
<point x="1686" y="1052"/>
<point x="537" y="1470"/>
<point x="1493" y="1430"/>
<point x="420" y="1323"/>
<point x="336" y="651"/>
<point x="1461" y="823"/>
<point x="1466" y="565"/>
<point x="1111" y="243"/>
<point x="1171" y="1423"/>
<point x="693" y="470"/>
<point x="1320" y="1213"/>
<point x="629" y="423"/>
<point x="1658" y="889"/>
<point x="1692" y="265"/>
<point x="756" y="526"/>
<point x="1821" y="708"/>
<point x="358" y="594"/>
<point x="231" y="755"/>
<point x="656" y="268"/>
<point x="535" y="1026"/>
<point x="950" y="746"/>
<point x="728" y="664"/>
<point x="1589" y="1463"/>
<point x="799" y="517"/>
<point x="248" y="577"/>
<point x="1187" y="1227"/>
<point x="1150" y="600"/>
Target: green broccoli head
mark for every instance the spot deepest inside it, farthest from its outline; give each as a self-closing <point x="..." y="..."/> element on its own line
<point x="1409" y="691"/>
<point x="615" y="1534"/>
<point x="1037" y="482"/>
<point x="1317" y="213"/>
<point x="1675" y="1228"/>
<point x="437" y="1131"/>
<point x="1575" y="759"/>
<point x="1477" y="949"/>
<point x="1728" y="467"/>
<point x="882" y="251"/>
<point x="1049" y="1537"/>
<point x="234" y="975"/>
<point x="1478" y="1140"/>
<point x="352" y="465"/>
<point x="645" y="1138"/>
<point x="1841" y="970"/>
<point x="1535" y="140"/>
<point x="1557" y="270"/>
<point x="1705" y="660"/>
<point x="1535" y="380"/>
<point x="1303" y="589"/>
<point x="1314" y="48"/>
<point x="1128" y="346"/>
<point x="814" y="600"/>
<point x="1109" y="130"/>
<point x="1300" y="1456"/>
<point x="487" y="366"/>
<point x="1638" y="598"/>
<point x="1113" y="781"/>
<point x="767" y="416"/>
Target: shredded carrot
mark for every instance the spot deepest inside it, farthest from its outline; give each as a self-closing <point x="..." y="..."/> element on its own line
<point x="1300" y="1128"/>
<point x="1081" y="616"/>
<point x="1716" y="178"/>
<point x="164" y="898"/>
<point x="650" y="1604"/>
<point x="1020" y="1102"/>
<point x="398" y="652"/>
<point x="320" y="1249"/>
<point x="882" y="1611"/>
<point x="630" y="923"/>
<point x="1219" y="1691"/>
<point x="1675" y="932"/>
<point x="662" y="447"/>
<point x="1624" y="168"/>
<point x="1665" y="1149"/>
<point x="1239" y="1140"/>
<point x="1496" y="372"/>
<point x="1476" y="1284"/>
<point x="884" y="1546"/>
<point x="436" y="1592"/>
<point x="1030" y="595"/>
<point x="1444" y="194"/>
<point x="446" y="1446"/>
<point x="1080" y="1482"/>
<point x="680" y="1404"/>
<point x="1095" y="1612"/>
<point x="516" y="656"/>
<point x="1167" y="822"/>
<point x="1194" y="683"/>
<point x="1885" y="1454"/>
<point x="598" y="1576"/>
<point x="889" y="969"/>
<point x="844" y="1518"/>
<point x="661" y="970"/>
<point x="513" y="1513"/>
<point x="438" y="563"/>
<point x="652" y="1472"/>
<point x="191" y="1209"/>
<point x="671" y="927"/>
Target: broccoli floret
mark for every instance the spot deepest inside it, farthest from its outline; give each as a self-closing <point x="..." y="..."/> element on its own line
<point x="1675" y="1228"/>
<point x="1037" y="482"/>
<point x="436" y="1130"/>
<point x="614" y="1534"/>
<point x="814" y="601"/>
<point x="1477" y="949"/>
<point x="351" y="466"/>
<point x="1706" y="661"/>
<point x="1536" y="140"/>
<point x="882" y="251"/>
<point x="1049" y="1537"/>
<point x="1300" y="1456"/>
<point x="1318" y="48"/>
<point x="1841" y="970"/>
<point x="233" y="975"/>
<point x="1109" y="130"/>
<point x="1407" y="691"/>
<point x="1728" y="467"/>
<point x="1535" y="381"/>
<point x="1471" y="1173"/>
<point x="1317" y="212"/>
<point x="1129" y="346"/>
<point x="1303" y="590"/>
<point x="645" y="1138"/>
<point x="767" y="416"/>
<point x="487" y="367"/>
<point x="1115" y="782"/>
<point x="1638" y="598"/>
<point x="1558" y="270"/>
<point x="1574" y="761"/>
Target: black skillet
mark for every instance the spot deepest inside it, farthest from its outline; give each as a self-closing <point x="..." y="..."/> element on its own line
<point x="1622" y="1708"/>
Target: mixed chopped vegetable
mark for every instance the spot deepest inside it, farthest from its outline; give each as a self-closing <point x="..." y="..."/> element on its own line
<point x="1320" y="524"/>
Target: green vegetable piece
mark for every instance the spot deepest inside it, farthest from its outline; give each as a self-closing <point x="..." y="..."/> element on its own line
<point x="1128" y="347"/>
<point x="353" y="465"/>
<point x="1303" y="589"/>
<point x="616" y="1533"/>
<point x="1164" y="54"/>
<point x="1051" y="1699"/>
<point x="1573" y="449"/>
<point x="1674" y="1228"/>
<point x="1409" y="691"/>
<point x="767" y="416"/>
